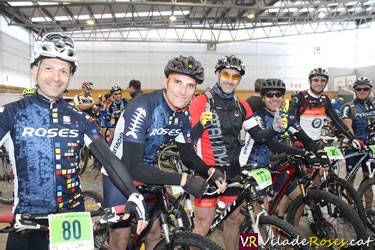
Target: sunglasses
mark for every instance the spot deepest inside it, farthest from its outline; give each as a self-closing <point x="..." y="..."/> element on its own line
<point x="362" y="89"/>
<point x="60" y="40"/>
<point x="116" y="93"/>
<point x="278" y="94"/>
<point x="227" y="75"/>
<point x="319" y="80"/>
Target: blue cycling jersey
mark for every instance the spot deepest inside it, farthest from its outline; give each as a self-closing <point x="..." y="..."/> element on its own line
<point x="44" y="140"/>
<point x="362" y="114"/>
<point x="150" y="121"/>
<point x="261" y="153"/>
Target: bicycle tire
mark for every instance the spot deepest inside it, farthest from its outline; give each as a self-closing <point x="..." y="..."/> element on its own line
<point x="285" y="230"/>
<point x="6" y="181"/>
<point x="337" y="186"/>
<point x="163" y="162"/>
<point x="84" y="159"/>
<point x="185" y="240"/>
<point x="370" y="217"/>
<point x="93" y="200"/>
<point x="342" y="212"/>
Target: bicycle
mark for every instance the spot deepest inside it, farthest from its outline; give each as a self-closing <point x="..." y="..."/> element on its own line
<point x="321" y="210"/>
<point x="172" y="221"/>
<point x="267" y="227"/>
<point x="6" y="178"/>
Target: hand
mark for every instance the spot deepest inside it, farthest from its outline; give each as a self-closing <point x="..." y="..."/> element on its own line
<point x="219" y="178"/>
<point x="195" y="185"/>
<point x="358" y="144"/>
<point x="279" y="123"/>
<point x="136" y="206"/>
<point x="205" y="119"/>
<point x="323" y="157"/>
<point x="312" y="159"/>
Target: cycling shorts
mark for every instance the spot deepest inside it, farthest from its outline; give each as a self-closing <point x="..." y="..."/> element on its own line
<point x="277" y="183"/>
<point x="209" y="201"/>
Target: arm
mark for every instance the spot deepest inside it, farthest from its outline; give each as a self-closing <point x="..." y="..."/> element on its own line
<point x="116" y="170"/>
<point x="257" y="133"/>
<point x="297" y="102"/>
<point x="189" y="157"/>
<point x="339" y="123"/>
<point x="144" y="172"/>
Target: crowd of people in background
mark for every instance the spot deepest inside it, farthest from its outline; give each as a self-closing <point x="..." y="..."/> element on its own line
<point x="206" y="129"/>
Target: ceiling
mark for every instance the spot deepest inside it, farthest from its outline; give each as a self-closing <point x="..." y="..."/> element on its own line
<point x="196" y="21"/>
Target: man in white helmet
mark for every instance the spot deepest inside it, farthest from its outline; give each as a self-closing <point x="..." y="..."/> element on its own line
<point x="43" y="135"/>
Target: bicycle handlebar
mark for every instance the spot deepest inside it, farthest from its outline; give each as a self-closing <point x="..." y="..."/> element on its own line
<point x="20" y="222"/>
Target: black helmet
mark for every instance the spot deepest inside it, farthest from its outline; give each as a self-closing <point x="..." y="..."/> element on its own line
<point x="272" y="84"/>
<point x="230" y="62"/>
<point x="258" y="84"/>
<point x="56" y="45"/>
<point x="185" y="66"/>
<point x="363" y="80"/>
<point x="318" y="72"/>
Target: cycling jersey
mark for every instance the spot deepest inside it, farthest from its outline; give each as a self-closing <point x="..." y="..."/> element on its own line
<point x="115" y="109"/>
<point x="261" y="153"/>
<point x="147" y="122"/>
<point x="44" y="140"/>
<point x="79" y="99"/>
<point x="362" y="114"/>
<point x="310" y="111"/>
<point x="219" y="144"/>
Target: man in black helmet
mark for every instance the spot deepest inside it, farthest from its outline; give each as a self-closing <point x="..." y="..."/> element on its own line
<point x="218" y="142"/>
<point x="148" y="122"/>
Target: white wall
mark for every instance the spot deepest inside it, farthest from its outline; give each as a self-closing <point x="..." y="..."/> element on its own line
<point x="110" y="63"/>
<point x="14" y="55"/>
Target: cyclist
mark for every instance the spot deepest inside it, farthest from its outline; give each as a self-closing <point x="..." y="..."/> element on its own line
<point x="149" y="121"/>
<point x="85" y="102"/>
<point x="272" y="92"/>
<point x="311" y="107"/>
<point x="117" y="106"/>
<point x="358" y="115"/>
<point x="28" y="92"/>
<point x="218" y="141"/>
<point x="43" y="135"/>
<point x="134" y="88"/>
<point x="255" y="101"/>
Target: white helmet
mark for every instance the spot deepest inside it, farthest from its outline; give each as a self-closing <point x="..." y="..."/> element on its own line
<point x="56" y="45"/>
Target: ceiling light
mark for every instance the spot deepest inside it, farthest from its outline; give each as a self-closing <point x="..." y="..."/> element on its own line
<point x="90" y="22"/>
<point x="251" y="15"/>
<point x="172" y="18"/>
<point x="322" y="15"/>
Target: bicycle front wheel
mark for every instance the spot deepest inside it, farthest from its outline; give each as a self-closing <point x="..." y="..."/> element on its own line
<point x="346" y="192"/>
<point x="185" y="240"/>
<point x="366" y="194"/>
<point x="6" y="180"/>
<point x="273" y="231"/>
<point x="333" y="218"/>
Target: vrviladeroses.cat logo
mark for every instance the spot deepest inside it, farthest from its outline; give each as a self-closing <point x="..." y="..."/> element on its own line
<point x="248" y="241"/>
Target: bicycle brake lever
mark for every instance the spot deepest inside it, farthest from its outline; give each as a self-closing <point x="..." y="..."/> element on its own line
<point x="22" y="223"/>
<point x="110" y="216"/>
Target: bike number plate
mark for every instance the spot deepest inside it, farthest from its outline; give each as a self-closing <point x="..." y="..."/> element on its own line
<point x="262" y="177"/>
<point x="71" y="231"/>
<point x="334" y="153"/>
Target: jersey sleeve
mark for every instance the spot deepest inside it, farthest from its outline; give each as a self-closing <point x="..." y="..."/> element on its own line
<point x="136" y="121"/>
<point x="5" y="119"/>
<point x="185" y="135"/>
<point x="346" y="112"/>
<point x="297" y="102"/>
<point x="196" y="108"/>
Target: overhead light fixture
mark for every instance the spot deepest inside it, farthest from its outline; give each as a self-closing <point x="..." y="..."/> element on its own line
<point x="172" y="18"/>
<point x="322" y="15"/>
<point x="90" y="22"/>
<point x="251" y="15"/>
